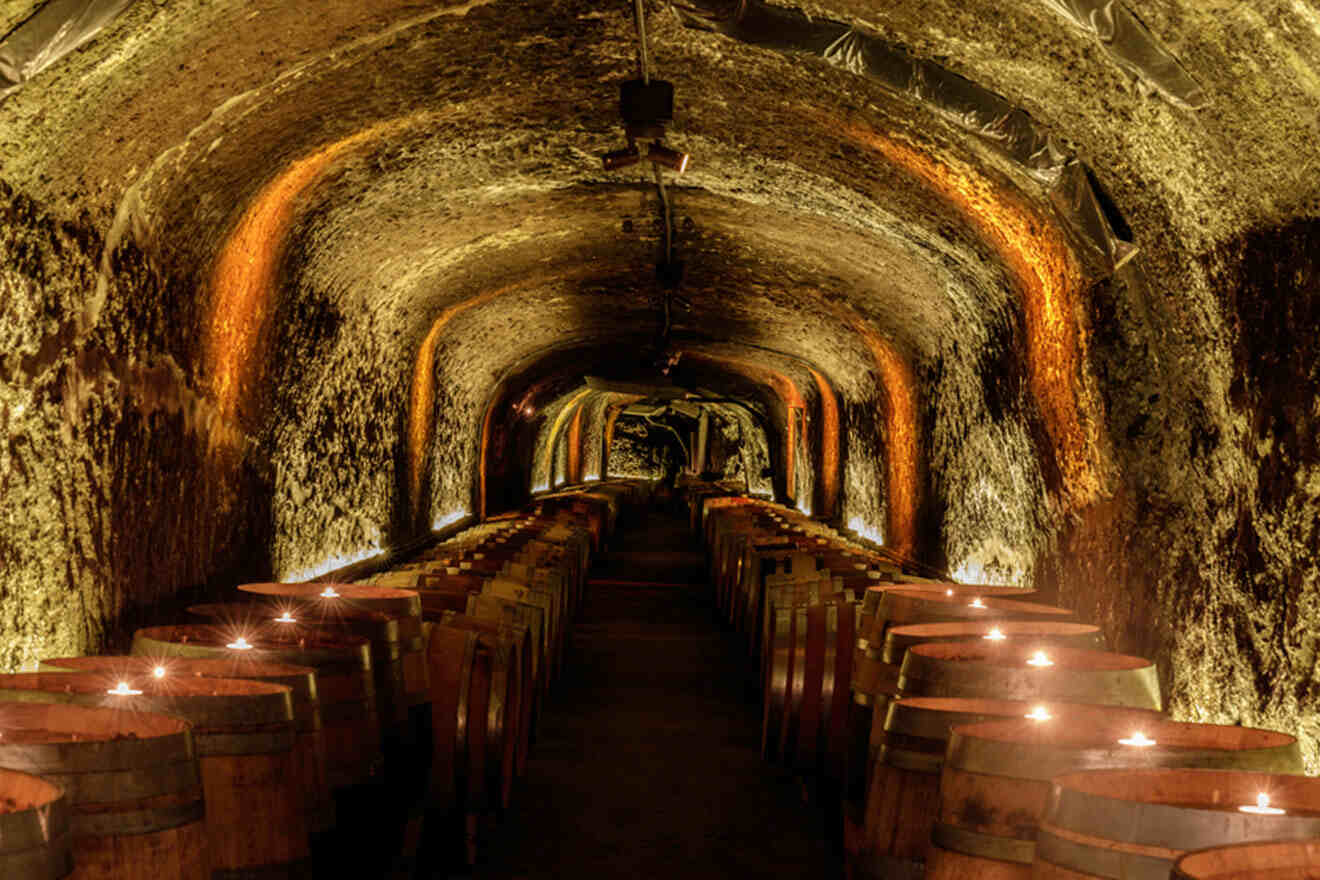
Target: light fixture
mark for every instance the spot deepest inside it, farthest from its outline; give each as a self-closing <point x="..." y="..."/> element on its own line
<point x="659" y="154"/>
<point x="1040" y="658"/>
<point x="995" y="635"/>
<point x="239" y="644"/>
<point x="286" y="617"/>
<point x="621" y="158"/>
<point x="976" y="603"/>
<point x="329" y="593"/>
<point x="1038" y="714"/>
<point x="123" y="690"/>
<point x="159" y="672"/>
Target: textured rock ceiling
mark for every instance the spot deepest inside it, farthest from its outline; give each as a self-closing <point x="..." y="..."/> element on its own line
<point x="273" y="274"/>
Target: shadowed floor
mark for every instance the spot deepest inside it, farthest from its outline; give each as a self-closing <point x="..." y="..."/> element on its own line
<point x="648" y="758"/>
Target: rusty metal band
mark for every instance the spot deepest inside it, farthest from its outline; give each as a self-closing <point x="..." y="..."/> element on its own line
<point x="1097" y="862"/>
<point x="264" y="742"/>
<point x="99" y="756"/>
<point x="136" y="822"/>
<point x="464" y="694"/>
<point x="1168" y="826"/>
<point x="1044" y="761"/>
<point x="37" y="828"/>
<point x="827" y="678"/>
<point x="53" y="858"/>
<point x="300" y="869"/>
<point x="983" y="846"/>
<point x="918" y="762"/>
<point x="118" y="785"/>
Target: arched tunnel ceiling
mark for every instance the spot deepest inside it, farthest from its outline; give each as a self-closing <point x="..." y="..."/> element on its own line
<point x="266" y="270"/>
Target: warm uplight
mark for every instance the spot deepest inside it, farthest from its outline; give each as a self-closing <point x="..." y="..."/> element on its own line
<point x="239" y="644"/>
<point x="286" y="617"/>
<point x="123" y="690"/>
<point x="976" y="603"/>
<point x="329" y="593"/>
<point x="1040" y="658"/>
<point x="995" y="635"/>
<point x="1262" y="807"/>
<point x="1137" y="739"/>
<point x="948" y="592"/>
<point x="159" y="672"/>
<point x="1038" y="714"/>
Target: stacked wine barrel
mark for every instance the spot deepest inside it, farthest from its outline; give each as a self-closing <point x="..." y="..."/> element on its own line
<point x="981" y="733"/>
<point x="372" y="729"/>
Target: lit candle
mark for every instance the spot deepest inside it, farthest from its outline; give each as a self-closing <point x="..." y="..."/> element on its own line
<point x="976" y="603"/>
<point x="329" y="593"/>
<point x="1137" y="739"/>
<point x="159" y="672"/>
<point x="994" y="635"/>
<point x="239" y="644"/>
<point x="1038" y="714"/>
<point x="1262" y="807"/>
<point x="1039" y="659"/>
<point x="286" y="617"/>
<point x="123" y="690"/>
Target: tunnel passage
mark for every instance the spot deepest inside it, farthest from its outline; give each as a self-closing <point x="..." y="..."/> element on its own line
<point x="285" y="290"/>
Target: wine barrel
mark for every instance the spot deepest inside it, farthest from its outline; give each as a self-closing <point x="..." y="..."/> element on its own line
<point x="132" y="783"/>
<point x="35" y="843"/>
<point x="398" y="655"/>
<point x="244" y="735"/>
<point x="1134" y="824"/>
<point x="309" y="749"/>
<point x="1276" y="860"/>
<point x="510" y="616"/>
<point x="903" y="793"/>
<point x="350" y="728"/>
<point x="463" y="676"/>
<point x="875" y="681"/>
<point x="1075" y="675"/>
<point x="996" y="777"/>
<point x="504" y="725"/>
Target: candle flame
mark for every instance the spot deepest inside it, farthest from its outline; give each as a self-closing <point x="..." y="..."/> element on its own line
<point x="159" y="672"/>
<point x="1137" y="739"/>
<point x="123" y="690"/>
<point x="1040" y="658"/>
<point x="1039" y="714"/>
<point x="976" y="603"/>
<point x="239" y="644"/>
<point x="995" y="635"/>
<point x="1262" y="807"/>
<point x="329" y="593"/>
<point x="286" y="617"/>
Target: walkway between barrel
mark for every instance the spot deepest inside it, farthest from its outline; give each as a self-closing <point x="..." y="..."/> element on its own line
<point x="648" y="755"/>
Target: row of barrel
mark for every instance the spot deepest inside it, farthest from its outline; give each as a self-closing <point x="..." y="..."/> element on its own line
<point x="319" y="729"/>
<point x="965" y="731"/>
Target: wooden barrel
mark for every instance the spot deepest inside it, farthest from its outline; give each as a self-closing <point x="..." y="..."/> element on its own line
<point x="1074" y="675"/>
<point x="997" y="775"/>
<point x="350" y="728"/>
<point x="504" y="728"/>
<point x="398" y="655"/>
<point x="309" y="750"/>
<point x="511" y="616"/>
<point x="1276" y="860"/>
<point x="35" y="843"/>
<point x="132" y="783"/>
<point x="903" y="794"/>
<point x="875" y="681"/>
<point x="462" y="677"/>
<point x="1134" y="824"/>
<point x="244" y="735"/>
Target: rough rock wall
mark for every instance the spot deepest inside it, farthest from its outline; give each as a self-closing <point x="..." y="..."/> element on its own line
<point x="120" y="482"/>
